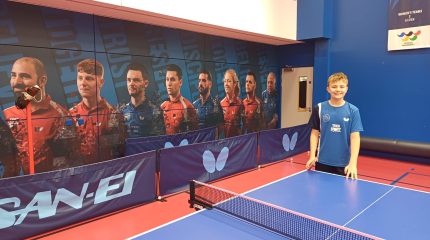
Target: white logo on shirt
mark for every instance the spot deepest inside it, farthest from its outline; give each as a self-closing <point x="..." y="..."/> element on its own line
<point x="335" y="128"/>
<point x="346" y="119"/>
<point x="13" y="122"/>
<point x="326" y="117"/>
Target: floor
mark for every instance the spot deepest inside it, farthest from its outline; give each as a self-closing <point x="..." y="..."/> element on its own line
<point x="130" y="222"/>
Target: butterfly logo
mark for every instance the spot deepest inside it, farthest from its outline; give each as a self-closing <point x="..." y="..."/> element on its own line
<point x="289" y="144"/>
<point x="170" y="145"/>
<point x="211" y="164"/>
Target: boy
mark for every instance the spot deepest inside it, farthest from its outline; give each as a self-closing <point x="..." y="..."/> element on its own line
<point x="336" y="127"/>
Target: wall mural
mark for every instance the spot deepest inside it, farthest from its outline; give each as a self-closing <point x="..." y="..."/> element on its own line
<point x="104" y="80"/>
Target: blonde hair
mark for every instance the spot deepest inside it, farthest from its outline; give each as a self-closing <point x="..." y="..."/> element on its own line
<point x="232" y="72"/>
<point x="91" y="66"/>
<point x="336" y="77"/>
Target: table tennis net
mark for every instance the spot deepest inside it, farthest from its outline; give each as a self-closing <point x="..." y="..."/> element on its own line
<point x="274" y="218"/>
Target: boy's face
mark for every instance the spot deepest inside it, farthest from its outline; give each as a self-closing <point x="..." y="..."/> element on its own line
<point x="337" y="90"/>
<point x="89" y="85"/>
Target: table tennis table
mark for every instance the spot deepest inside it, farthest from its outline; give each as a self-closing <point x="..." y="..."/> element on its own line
<point x="381" y="210"/>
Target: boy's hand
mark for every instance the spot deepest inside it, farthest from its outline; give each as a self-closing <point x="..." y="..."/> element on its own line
<point x="351" y="171"/>
<point x="311" y="162"/>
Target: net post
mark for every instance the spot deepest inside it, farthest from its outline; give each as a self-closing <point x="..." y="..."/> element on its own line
<point x="192" y="193"/>
<point x="157" y="175"/>
<point x="258" y="151"/>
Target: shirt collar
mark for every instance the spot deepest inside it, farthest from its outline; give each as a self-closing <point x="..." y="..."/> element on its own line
<point x="251" y="99"/>
<point x="175" y="99"/>
<point x="100" y="105"/>
<point x="44" y="104"/>
<point x="208" y="100"/>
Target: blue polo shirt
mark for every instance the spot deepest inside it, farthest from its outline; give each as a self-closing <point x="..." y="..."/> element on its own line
<point x="335" y="125"/>
<point x="270" y="105"/>
<point x="209" y="113"/>
<point x="138" y="119"/>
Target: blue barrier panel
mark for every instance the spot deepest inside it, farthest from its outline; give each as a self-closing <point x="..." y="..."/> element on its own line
<point x="206" y="161"/>
<point x="278" y="144"/>
<point x="144" y="144"/>
<point x="31" y="205"/>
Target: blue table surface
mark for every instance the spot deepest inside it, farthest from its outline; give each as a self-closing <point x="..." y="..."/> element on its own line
<point x="384" y="211"/>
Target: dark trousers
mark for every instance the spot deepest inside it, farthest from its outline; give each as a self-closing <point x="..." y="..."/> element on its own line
<point x="329" y="169"/>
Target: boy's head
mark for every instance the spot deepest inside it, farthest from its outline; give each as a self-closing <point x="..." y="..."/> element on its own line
<point x="90" y="78"/>
<point x="337" y="77"/>
<point x="337" y="86"/>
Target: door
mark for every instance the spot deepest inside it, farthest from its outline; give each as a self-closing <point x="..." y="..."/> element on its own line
<point x="296" y="102"/>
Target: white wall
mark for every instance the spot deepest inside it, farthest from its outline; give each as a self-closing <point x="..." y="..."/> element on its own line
<point x="276" y="18"/>
<point x="266" y="21"/>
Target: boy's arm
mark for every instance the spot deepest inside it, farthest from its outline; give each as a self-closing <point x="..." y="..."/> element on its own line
<point x="315" y="135"/>
<point x="351" y="168"/>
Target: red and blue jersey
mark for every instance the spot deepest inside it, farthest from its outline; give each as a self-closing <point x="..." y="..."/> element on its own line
<point x="179" y="115"/>
<point x="53" y="148"/>
<point x="101" y="131"/>
<point x="233" y="114"/>
<point x="253" y="115"/>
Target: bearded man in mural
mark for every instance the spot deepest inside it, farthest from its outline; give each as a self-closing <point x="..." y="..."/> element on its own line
<point x="179" y="114"/>
<point x="53" y="141"/>
<point x="270" y="102"/>
<point x="139" y="112"/>
<point x="231" y="105"/>
<point x="208" y="108"/>
<point x="100" y="126"/>
<point x="253" y="106"/>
